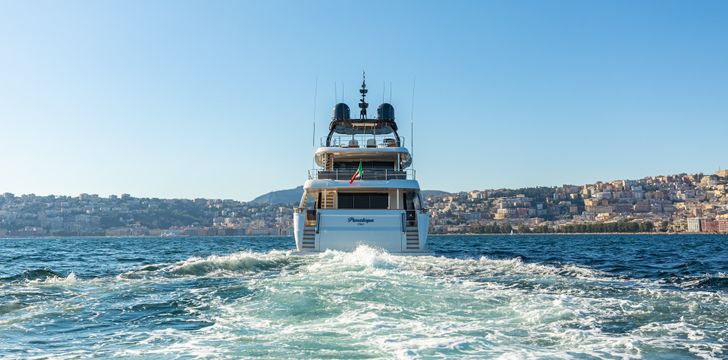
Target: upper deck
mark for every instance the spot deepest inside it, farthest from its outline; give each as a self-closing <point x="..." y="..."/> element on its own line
<point x="371" y="144"/>
<point x="332" y="184"/>
<point x="352" y="151"/>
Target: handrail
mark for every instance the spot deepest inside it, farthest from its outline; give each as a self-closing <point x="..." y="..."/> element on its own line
<point x="411" y="217"/>
<point x="380" y="141"/>
<point x="369" y="174"/>
<point x="318" y="221"/>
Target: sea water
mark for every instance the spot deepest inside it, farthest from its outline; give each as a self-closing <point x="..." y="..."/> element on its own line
<point x="579" y="296"/>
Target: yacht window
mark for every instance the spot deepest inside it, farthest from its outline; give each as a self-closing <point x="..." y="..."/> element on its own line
<point x="353" y="165"/>
<point x="309" y="201"/>
<point x="363" y="200"/>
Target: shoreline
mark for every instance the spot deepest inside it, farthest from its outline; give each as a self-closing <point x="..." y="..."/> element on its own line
<point x="291" y="236"/>
<point x="594" y="233"/>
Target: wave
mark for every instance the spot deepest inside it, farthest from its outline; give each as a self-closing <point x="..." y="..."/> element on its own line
<point x="362" y="257"/>
<point x="518" y="266"/>
<point x="427" y="306"/>
<point x="241" y="262"/>
<point x="717" y="282"/>
<point x="503" y="269"/>
<point x="370" y="257"/>
<point x="370" y="303"/>
<point x="246" y="261"/>
<point x="10" y="307"/>
<point x="41" y="276"/>
<point x="60" y="280"/>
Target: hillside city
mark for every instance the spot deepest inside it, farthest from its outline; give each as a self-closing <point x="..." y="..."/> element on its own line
<point x="694" y="203"/>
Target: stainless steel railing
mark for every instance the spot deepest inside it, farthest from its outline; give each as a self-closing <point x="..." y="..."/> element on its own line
<point x="369" y="174"/>
<point x="363" y="141"/>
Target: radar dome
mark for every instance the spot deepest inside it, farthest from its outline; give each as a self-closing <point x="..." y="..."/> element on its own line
<point x="385" y="112"/>
<point x="342" y="112"/>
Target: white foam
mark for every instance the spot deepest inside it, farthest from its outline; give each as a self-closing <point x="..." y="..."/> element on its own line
<point x="238" y="262"/>
<point x="371" y="303"/>
<point x="56" y="280"/>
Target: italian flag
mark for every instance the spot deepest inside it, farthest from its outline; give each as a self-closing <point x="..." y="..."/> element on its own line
<point x="357" y="175"/>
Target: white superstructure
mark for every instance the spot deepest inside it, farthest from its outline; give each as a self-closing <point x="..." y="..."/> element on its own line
<point x="381" y="208"/>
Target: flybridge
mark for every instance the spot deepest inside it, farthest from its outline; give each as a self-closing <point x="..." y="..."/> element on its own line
<point x="383" y="124"/>
<point x="374" y="143"/>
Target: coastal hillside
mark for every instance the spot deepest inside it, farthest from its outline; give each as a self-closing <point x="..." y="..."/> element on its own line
<point x="671" y="203"/>
<point x="285" y="197"/>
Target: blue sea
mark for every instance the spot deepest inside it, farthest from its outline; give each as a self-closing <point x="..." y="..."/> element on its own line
<point x="576" y="296"/>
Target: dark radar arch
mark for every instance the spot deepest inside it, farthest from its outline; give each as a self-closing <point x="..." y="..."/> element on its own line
<point x="343" y="124"/>
<point x="362" y="127"/>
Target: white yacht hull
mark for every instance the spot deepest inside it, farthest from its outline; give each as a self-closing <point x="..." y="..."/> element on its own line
<point x="345" y="229"/>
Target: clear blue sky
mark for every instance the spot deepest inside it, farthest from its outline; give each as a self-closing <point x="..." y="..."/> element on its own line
<point x="215" y="99"/>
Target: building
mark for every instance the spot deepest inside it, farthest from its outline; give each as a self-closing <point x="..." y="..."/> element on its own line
<point x="694" y="225"/>
<point x="709" y="226"/>
<point x="723" y="226"/>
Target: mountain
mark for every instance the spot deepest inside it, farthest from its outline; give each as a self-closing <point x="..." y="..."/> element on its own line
<point x="287" y="196"/>
<point x="434" y="193"/>
<point x="293" y="196"/>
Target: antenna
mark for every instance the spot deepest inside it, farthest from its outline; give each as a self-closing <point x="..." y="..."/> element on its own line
<point x="390" y="91"/>
<point x="363" y="103"/>
<point x="336" y="94"/>
<point x="313" y="136"/>
<point x="412" y="123"/>
<point x="384" y="89"/>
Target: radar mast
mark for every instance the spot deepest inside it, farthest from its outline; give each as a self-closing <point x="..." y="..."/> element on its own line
<point x="362" y="103"/>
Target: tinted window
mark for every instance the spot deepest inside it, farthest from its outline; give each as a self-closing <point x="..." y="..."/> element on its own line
<point x="378" y="201"/>
<point x="345" y="165"/>
<point x="346" y="201"/>
<point x="363" y="201"/>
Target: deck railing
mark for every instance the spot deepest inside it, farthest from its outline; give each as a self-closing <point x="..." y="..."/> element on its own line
<point x="363" y="141"/>
<point x="369" y="174"/>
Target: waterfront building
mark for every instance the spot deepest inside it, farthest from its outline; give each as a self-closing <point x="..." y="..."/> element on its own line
<point x="694" y="225"/>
